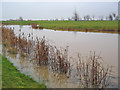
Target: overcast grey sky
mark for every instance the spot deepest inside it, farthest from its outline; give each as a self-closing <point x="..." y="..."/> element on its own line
<point x="52" y="10"/>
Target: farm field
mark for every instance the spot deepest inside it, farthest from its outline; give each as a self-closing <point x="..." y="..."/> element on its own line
<point x="87" y="26"/>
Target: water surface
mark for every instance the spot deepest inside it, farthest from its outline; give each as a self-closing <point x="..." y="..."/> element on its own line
<point x="105" y="44"/>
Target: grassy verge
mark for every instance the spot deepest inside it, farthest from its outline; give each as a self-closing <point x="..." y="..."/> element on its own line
<point x="93" y="26"/>
<point x="12" y="78"/>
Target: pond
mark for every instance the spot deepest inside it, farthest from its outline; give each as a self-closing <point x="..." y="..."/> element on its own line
<point x="104" y="44"/>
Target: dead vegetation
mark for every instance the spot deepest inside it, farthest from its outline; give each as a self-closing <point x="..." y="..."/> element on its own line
<point x="42" y="51"/>
<point x="59" y="60"/>
<point x="36" y="26"/>
<point x="91" y="73"/>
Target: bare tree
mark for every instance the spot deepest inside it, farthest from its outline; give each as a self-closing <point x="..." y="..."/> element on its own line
<point x="101" y="18"/>
<point x="62" y="18"/>
<point x="56" y="19"/>
<point x="87" y="17"/>
<point x="69" y="19"/>
<point x="116" y="18"/>
<point x="107" y="18"/>
<point x="114" y="15"/>
<point x="76" y="16"/>
<point x="110" y="17"/>
<point x="20" y="19"/>
<point x="93" y="17"/>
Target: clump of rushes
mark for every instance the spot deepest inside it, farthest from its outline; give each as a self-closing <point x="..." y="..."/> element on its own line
<point x="42" y="51"/>
<point x="59" y="60"/>
<point x="8" y="37"/>
<point x="91" y="73"/>
<point x="36" y="26"/>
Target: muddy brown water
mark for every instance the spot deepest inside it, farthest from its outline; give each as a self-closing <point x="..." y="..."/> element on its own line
<point x="105" y="44"/>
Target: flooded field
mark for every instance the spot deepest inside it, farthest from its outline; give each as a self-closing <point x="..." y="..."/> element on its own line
<point x="77" y="43"/>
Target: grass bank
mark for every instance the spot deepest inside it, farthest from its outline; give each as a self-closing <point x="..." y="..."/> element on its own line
<point x="90" y="26"/>
<point x="12" y="78"/>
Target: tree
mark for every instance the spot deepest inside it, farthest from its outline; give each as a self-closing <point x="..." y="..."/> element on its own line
<point x="56" y="19"/>
<point x="62" y="18"/>
<point x="107" y="18"/>
<point x="87" y="17"/>
<point x="69" y="19"/>
<point x="93" y="17"/>
<point x="76" y="16"/>
<point x="110" y="17"/>
<point x="101" y="18"/>
<point x="20" y="19"/>
<point x="114" y="15"/>
<point x="116" y="18"/>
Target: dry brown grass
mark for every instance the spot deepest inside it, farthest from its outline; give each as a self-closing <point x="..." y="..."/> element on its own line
<point x="36" y="26"/>
<point x="59" y="59"/>
<point x="91" y="73"/>
<point x="8" y="37"/>
<point x="42" y="51"/>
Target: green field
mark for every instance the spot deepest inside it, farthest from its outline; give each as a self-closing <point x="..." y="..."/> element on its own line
<point x="12" y="78"/>
<point x="72" y="25"/>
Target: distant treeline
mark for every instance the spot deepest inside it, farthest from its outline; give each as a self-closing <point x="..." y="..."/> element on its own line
<point x="76" y="17"/>
<point x="110" y="17"/>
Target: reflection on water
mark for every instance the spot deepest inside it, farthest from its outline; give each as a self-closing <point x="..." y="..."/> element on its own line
<point x="42" y="74"/>
<point x="78" y="42"/>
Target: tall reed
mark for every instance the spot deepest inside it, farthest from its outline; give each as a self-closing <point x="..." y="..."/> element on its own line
<point x="91" y="73"/>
